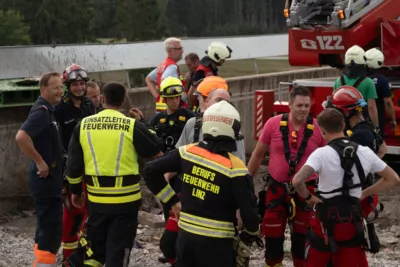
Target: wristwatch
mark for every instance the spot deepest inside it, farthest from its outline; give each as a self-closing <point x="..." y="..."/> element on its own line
<point x="309" y="196"/>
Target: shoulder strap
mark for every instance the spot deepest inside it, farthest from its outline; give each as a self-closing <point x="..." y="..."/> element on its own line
<point x="356" y="84"/>
<point x="284" y="128"/>
<point x="197" y="126"/>
<point x="359" y="81"/>
<point x="308" y="132"/>
<point x="342" y="80"/>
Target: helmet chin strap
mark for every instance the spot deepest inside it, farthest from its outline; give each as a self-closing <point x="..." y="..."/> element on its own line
<point x="75" y="96"/>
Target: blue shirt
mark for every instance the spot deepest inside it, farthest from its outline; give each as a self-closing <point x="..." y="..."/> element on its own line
<point x="43" y="129"/>
<point x="363" y="135"/>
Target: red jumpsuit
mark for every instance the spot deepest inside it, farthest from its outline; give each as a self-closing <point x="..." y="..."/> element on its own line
<point x="346" y="256"/>
<point x="289" y="150"/>
<point x="168" y="240"/>
<point x="274" y="224"/>
<point x="73" y="223"/>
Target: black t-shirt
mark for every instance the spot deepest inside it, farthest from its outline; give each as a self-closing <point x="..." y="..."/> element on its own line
<point x="69" y="115"/>
<point x="363" y="135"/>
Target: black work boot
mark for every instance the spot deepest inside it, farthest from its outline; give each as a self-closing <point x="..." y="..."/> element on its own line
<point x="162" y="259"/>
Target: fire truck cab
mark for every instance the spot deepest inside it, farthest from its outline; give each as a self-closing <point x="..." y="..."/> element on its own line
<point x="320" y="32"/>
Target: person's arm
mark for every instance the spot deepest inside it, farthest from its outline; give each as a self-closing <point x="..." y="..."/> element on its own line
<point x="151" y="81"/>
<point x="389" y="107"/>
<point x="144" y="141"/>
<point x="389" y="178"/>
<point x="171" y="70"/>
<point x="243" y="192"/>
<point x="75" y="163"/>
<point x="261" y="148"/>
<point x="384" y="86"/>
<point x="36" y="122"/>
<point x="198" y="75"/>
<point x="184" y="138"/>
<point x="153" y="174"/>
<point x="312" y="165"/>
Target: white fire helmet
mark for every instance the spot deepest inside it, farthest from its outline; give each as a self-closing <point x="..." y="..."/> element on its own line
<point x="375" y="58"/>
<point x="218" y="51"/>
<point x="221" y="120"/>
<point x="355" y="55"/>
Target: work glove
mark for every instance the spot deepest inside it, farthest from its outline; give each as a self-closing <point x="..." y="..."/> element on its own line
<point x="242" y="246"/>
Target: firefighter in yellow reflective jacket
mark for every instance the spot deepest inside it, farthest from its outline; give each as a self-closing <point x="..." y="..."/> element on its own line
<point x="215" y="183"/>
<point x="103" y="152"/>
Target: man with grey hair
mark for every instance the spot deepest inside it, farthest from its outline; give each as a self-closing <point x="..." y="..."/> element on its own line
<point x="167" y="68"/>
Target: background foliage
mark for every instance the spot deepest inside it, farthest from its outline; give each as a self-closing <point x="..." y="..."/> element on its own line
<point x="79" y="21"/>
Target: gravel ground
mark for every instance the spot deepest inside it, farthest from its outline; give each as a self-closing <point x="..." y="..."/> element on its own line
<point x="16" y="247"/>
<point x="17" y="228"/>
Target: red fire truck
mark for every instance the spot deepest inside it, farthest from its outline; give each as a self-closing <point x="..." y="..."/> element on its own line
<point x="320" y="32"/>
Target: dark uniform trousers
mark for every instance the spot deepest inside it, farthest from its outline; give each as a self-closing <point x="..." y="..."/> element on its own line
<point x="48" y="206"/>
<point x="201" y="251"/>
<point x="110" y="237"/>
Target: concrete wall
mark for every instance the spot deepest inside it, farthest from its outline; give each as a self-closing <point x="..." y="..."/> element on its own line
<point x="13" y="165"/>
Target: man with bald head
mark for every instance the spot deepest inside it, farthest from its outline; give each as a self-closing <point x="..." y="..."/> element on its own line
<point x="208" y="94"/>
<point x="216" y="96"/>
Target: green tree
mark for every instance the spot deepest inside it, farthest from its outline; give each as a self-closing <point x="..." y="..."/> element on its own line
<point x="137" y="20"/>
<point x="104" y="18"/>
<point x="51" y="22"/>
<point x="12" y="29"/>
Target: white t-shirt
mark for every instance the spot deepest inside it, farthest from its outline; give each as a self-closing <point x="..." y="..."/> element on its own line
<point x="326" y="161"/>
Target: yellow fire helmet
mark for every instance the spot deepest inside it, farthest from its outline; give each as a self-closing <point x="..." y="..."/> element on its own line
<point x="171" y="87"/>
